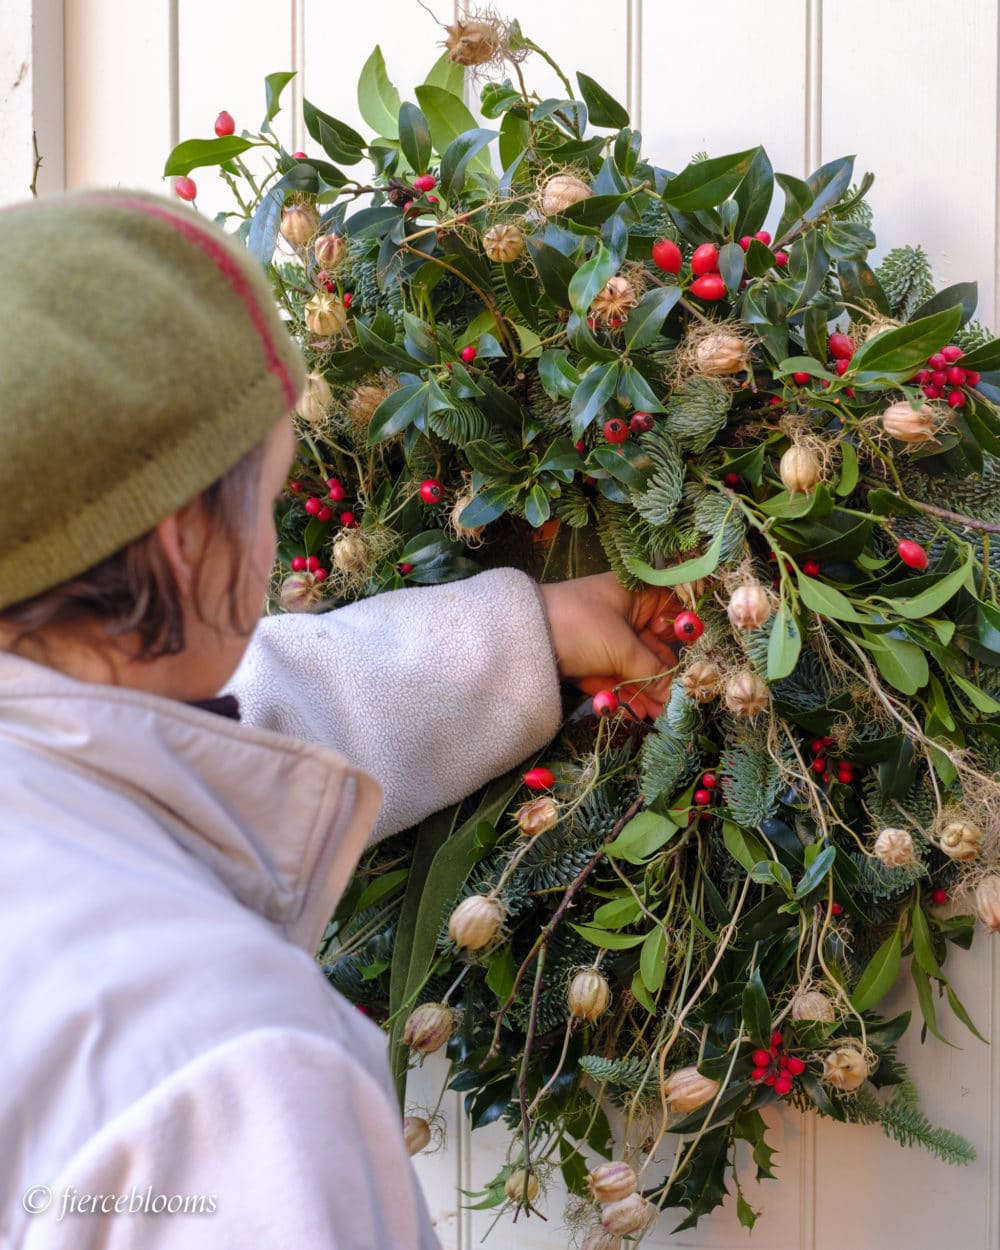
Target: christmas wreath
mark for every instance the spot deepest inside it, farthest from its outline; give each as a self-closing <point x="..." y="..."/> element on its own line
<point x="529" y="343"/>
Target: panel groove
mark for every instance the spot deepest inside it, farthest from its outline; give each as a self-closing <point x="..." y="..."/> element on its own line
<point x="174" y="71"/>
<point x="633" y="66"/>
<point x="814" y="86"/>
<point x="298" y="17"/>
<point x="992" y="1196"/>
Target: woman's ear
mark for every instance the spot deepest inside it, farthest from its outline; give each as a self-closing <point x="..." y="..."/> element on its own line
<point x="181" y="538"/>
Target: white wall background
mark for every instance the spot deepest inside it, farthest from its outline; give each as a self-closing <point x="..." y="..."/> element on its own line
<point x="908" y="85"/>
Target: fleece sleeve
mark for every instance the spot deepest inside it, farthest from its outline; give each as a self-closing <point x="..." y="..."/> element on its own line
<point x="434" y="690"/>
<point x="274" y="1139"/>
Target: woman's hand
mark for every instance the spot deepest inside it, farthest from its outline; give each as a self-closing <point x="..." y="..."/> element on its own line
<point x="604" y="635"/>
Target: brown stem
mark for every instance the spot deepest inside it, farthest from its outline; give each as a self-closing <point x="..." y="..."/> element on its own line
<point x="522" y="1079"/>
<point x="970" y="522"/>
<point x="495" y="312"/>
<point x="38" y="164"/>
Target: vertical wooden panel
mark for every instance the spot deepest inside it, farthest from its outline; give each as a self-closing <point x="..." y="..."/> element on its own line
<point x="916" y="98"/>
<point x="118" y="92"/>
<point x="31" y="98"/>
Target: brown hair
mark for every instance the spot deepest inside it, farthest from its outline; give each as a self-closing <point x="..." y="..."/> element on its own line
<point x="134" y="591"/>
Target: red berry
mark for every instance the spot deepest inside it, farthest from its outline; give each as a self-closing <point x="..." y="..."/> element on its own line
<point x="938" y="360"/>
<point x="347" y="299"/>
<point x="971" y="377"/>
<point x="224" y="124"/>
<point x="939" y="377"/>
<point x="348" y="520"/>
<point x="924" y="375"/>
<point x="796" y="1065"/>
<point x="781" y="259"/>
<point x="405" y="568"/>
<point x="939" y="896"/>
<point x="324" y="514"/>
<point x="776" y="1039"/>
<point x="956" y="399"/>
<point x="312" y="505"/>
<point x="667" y="255"/>
<point x="431" y="491"/>
<point x="709" y="287"/>
<point x="312" y="564"/>
<point x="827" y="741"/>
<point x="783" y="1062"/>
<point x="763" y="237"/>
<point x="811" y="568"/>
<point x="841" y="367"/>
<point x="841" y="346"/>
<point x="186" y="188"/>
<point x="746" y="241"/>
<point x="836" y="909"/>
<point x="824" y="777"/>
<point x="426" y="182"/>
<point x="581" y="447"/>
<point x="731" y="479"/>
<point x="816" y="746"/>
<point x="783" y="1086"/>
<point x="468" y="354"/>
<point x="709" y="781"/>
<point x="605" y="703"/>
<point x="641" y="422"/>
<point x="615" y="430"/>
<point x="758" y="1074"/>
<point x="539" y="778"/>
<point x="705" y="259"/>
<point x="951" y="353"/>
<point x="932" y="392"/>
<point x="818" y="765"/>
<point x="702" y="797"/>
<point x="320" y="575"/>
<point x="298" y="563"/>
<point x="688" y="626"/>
<point x="912" y="554"/>
<point x="407" y="206"/>
<point x="296" y="487"/>
<point x="760" y="1059"/>
<point x="433" y="199"/>
<point x="954" y="374"/>
<point x="337" y="491"/>
<point x="299" y="156"/>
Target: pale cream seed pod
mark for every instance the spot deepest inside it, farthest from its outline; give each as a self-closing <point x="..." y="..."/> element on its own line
<point x="799" y="470"/>
<point x="315" y="401"/>
<point x="746" y="694"/>
<point x="988" y="902"/>
<point x="719" y="354"/>
<point x="329" y="250"/>
<point x="588" y="996"/>
<point x="629" y="1215"/>
<point x="475" y="922"/>
<point x="537" y="816"/>
<point x="350" y="553"/>
<point x="325" y="315"/>
<point x="416" y="1134"/>
<point x="521" y="1186"/>
<point x="560" y="192"/>
<point x="901" y="422"/>
<point x="749" y="606"/>
<point x="299" y="222"/>
<point x="598" y="1239"/>
<point x="702" y="681"/>
<point x="813" y="1005"/>
<point x="686" y="1090"/>
<point x="428" y="1028"/>
<point x="895" y="849"/>
<point x="300" y="592"/>
<point x="503" y="242"/>
<point x="845" y="1069"/>
<point x="610" y="1182"/>
<point x="961" y="840"/>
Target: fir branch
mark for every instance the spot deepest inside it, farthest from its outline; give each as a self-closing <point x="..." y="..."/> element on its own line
<point x="909" y="1126"/>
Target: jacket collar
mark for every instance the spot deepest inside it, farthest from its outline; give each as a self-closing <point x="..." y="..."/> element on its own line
<point x="282" y="823"/>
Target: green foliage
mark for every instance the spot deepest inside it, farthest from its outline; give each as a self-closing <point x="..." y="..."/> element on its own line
<point x="697" y="412"/>
<point x="669" y="754"/>
<point x="905" y="276"/>
<point x="659" y="501"/>
<point x="632" y="1074"/>
<point x="751" y="782"/>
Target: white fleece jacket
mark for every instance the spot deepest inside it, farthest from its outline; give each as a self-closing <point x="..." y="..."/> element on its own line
<point x="168" y="1039"/>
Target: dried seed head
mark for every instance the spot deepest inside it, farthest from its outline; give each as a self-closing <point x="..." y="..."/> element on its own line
<point x="300" y="592"/>
<point x="749" y="606"/>
<point x="315" y="399"/>
<point x="615" y="300"/>
<point x="428" y="1028"/>
<point x="628" y="1215"/>
<point x="686" y="1090"/>
<point x="901" y="422"/>
<point x="988" y="902"/>
<point x="416" y="1134"/>
<point x="521" y="1186"/>
<point x="325" y="315"/>
<point x="366" y="399"/>
<point x="299" y="222"/>
<point x="589" y="995"/>
<point x="329" y="250"/>
<point x="702" y="681"/>
<point x="845" y="1069"/>
<point x="799" y="470"/>
<point x="351" y="553"/>
<point x="560" y="191"/>
<point x="537" y="816"/>
<point x="746" y="694"/>
<point x="475" y="42"/>
<point x="475" y="922"/>
<point x="598" y="1239"/>
<point x="961" y="840"/>
<point x="610" y="1182"/>
<point x="503" y="243"/>
<point x="470" y="535"/>
<point x="813" y="1005"/>
<point x="720" y="354"/>
<point x="895" y="849"/>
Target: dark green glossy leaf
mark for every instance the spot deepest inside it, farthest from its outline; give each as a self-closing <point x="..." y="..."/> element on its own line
<point x="274" y="85"/>
<point x="704" y="184"/>
<point x="603" y="108"/>
<point x="595" y="389"/>
<point x="816" y="873"/>
<point x="965" y="294"/>
<point x="194" y="153"/>
<point x="414" y="137"/>
<point x="497" y="97"/>
<point x="757" y="1011"/>
<point x="860" y="287"/>
<point x="879" y="975"/>
<point x="784" y="644"/>
<point x="732" y="260"/>
<point x="338" y="140"/>
<point x="558" y="374"/>
<point x="487" y="505"/>
<point x="397" y="411"/>
<point x="906" y="348"/>
<point x="646" y="320"/>
<point x="753" y="196"/>
<point x="589" y="280"/>
<point x="378" y="99"/>
<point x="555" y="271"/>
<point x="537" y="507"/>
<point x="828" y="185"/>
<point x="689" y="571"/>
<point x="458" y="156"/>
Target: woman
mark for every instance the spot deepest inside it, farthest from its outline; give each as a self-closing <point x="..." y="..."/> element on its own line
<point x="177" y="1070"/>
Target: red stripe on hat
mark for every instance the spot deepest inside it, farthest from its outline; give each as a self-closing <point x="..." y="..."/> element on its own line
<point x="227" y="265"/>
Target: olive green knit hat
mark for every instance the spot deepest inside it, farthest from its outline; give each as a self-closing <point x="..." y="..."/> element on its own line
<point x="141" y="356"/>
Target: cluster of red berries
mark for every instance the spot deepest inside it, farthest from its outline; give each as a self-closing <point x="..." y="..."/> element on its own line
<point x="762" y="236"/>
<point x="315" y="507"/>
<point x="943" y="376"/>
<point x="704" y="793"/>
<point x="771" y="1067"/>
<point x="708" y="283"/>
<point x="821" y="765"/>
<point x="186" y="188"/>
<point x="617" y="430"/>
<point x="309" y="564"/>
<point x="841" y="348"/>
